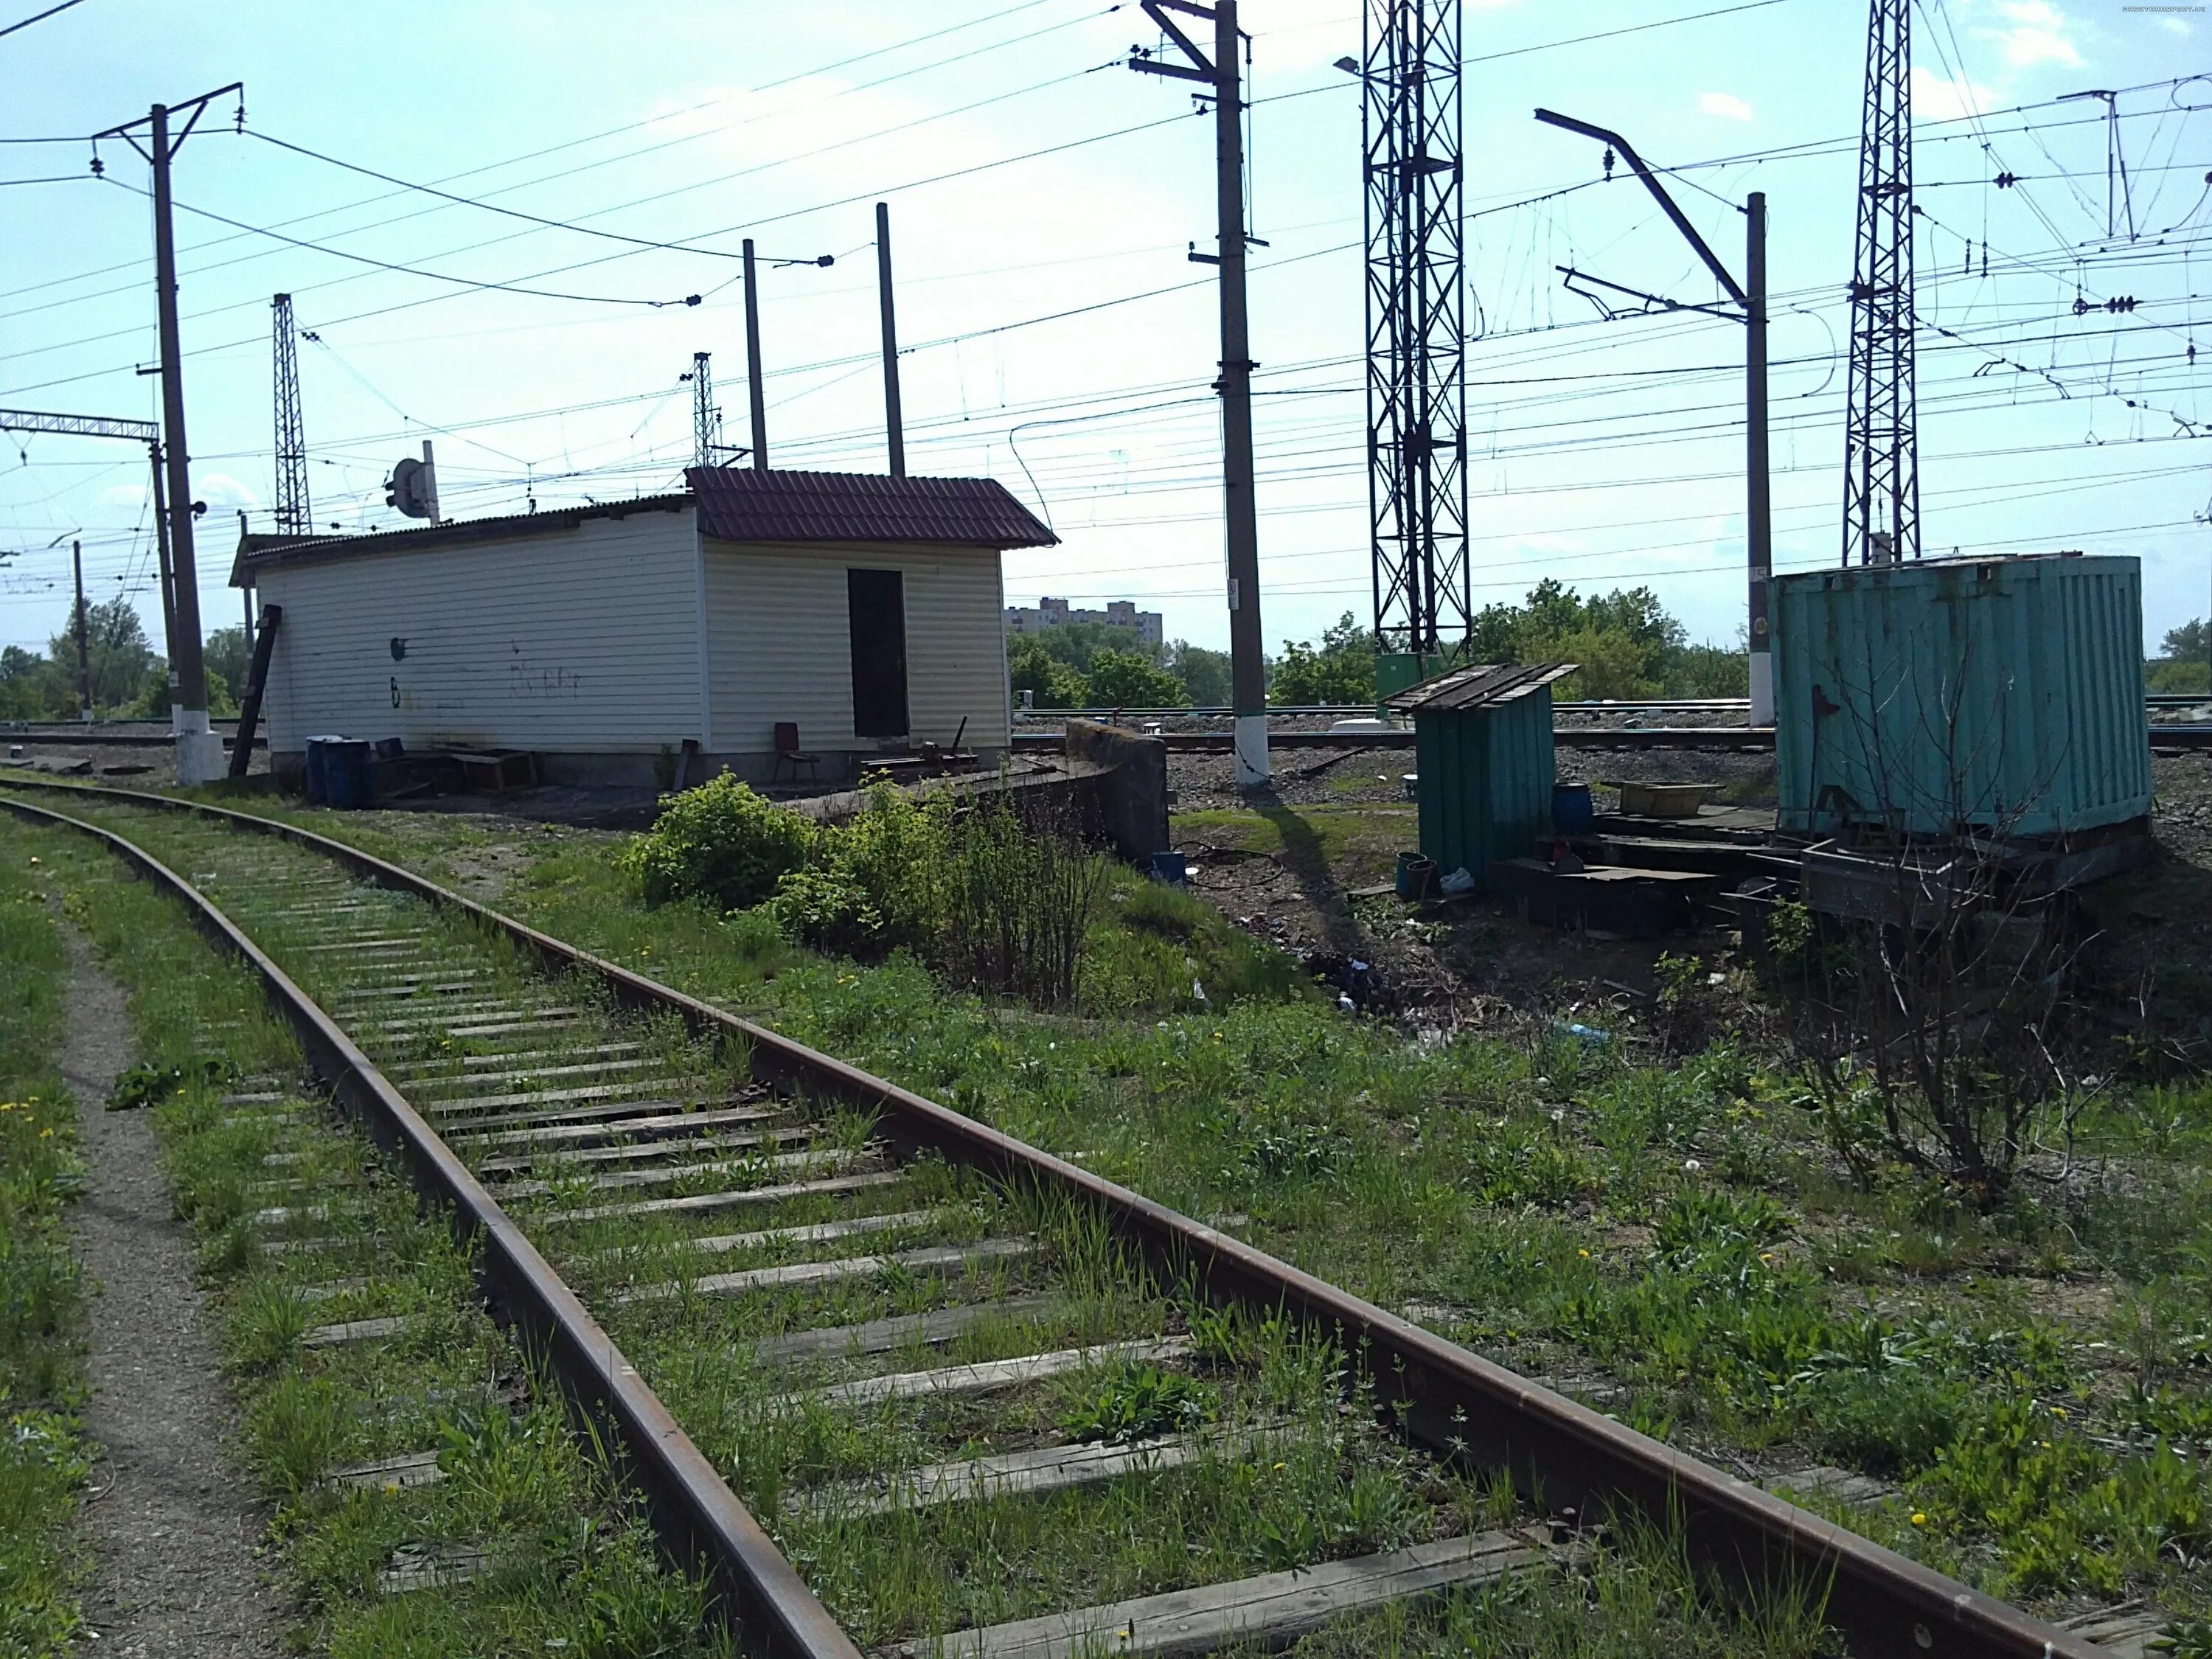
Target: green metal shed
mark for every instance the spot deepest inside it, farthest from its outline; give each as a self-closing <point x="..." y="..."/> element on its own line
<point x="2004" y="694"/>
<point x="1482" y="743"/>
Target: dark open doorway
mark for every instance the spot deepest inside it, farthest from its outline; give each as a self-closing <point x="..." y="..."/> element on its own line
<point x="876" y="603"/>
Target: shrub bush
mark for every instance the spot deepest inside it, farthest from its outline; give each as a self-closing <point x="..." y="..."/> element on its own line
<point x="719" y="843"/>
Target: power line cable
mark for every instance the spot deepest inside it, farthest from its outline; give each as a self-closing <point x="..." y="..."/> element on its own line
<point x="41" y="17"/>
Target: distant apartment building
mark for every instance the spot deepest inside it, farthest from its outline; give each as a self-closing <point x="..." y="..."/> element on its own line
<point x="1144" y="626"/>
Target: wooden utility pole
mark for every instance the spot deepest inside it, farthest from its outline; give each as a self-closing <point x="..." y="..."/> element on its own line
<point x="198" y="750"/>
<point x="83" y="650"/>
<point x="1247" y="647"/>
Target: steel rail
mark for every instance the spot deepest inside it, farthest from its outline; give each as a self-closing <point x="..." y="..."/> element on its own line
<point x="1447" y="1398"/>
<point x="700" y="1521"/>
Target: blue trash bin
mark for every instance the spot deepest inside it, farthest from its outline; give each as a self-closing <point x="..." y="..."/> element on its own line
<point x="319" y="792"/>
<point x="1573" y="813"/>
<point x="349" y="774"/>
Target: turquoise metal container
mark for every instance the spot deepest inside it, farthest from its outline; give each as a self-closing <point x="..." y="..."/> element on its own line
<point x="2005" y="694"/>
<point x="1486" y="776"/>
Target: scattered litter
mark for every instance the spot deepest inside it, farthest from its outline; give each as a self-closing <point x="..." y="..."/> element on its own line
<point x="1456" y="883"/>
<point x="1589" y="1036"/>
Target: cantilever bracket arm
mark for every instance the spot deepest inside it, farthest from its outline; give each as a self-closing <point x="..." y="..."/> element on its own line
<point x="1200" y="67"/>
<point x="1627" y="150"/>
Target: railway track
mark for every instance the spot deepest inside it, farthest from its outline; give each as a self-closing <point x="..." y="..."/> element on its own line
<point x="971" y="1397"/>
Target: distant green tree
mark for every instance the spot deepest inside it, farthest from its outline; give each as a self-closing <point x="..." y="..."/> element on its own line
<point x="1626" y="642"/>
<point x="117" y="644"/>
<point x="1123" y="679"/>
<point x="1205" y="674"/>
<point x="2186" y="643"/>
<point x="31" y="687"/>
<point x="1051" y="682"/>
<point x="1073" y="643"/>
<point x="152" y="702"/>
<point x="1340" y="669"/>
<point x="225" y="653"/>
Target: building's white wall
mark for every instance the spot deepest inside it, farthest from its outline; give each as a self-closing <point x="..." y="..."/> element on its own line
<point x="582" y="641"/>
<point x="779" y="641"/>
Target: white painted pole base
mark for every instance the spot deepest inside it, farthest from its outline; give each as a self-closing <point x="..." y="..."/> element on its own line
<point x="199" y="752"/>
<point x="1762" y="688"/>
<point x="1251" y="768"/>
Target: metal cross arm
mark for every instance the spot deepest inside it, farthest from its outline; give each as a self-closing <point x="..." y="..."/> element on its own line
<point x="1200" y="67"/>
<point x="128" y="130"/>
<point x="1659" y="193"/>
<point x="1659" y="300"/>
<point x="81" y="426"/>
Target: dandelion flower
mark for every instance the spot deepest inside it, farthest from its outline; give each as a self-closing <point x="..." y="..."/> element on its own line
<point x="1919" y="1519"/>
<point x="1583" y="1254"/>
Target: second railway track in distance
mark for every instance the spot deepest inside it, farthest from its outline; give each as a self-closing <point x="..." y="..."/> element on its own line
<point x="860" y="1348"/>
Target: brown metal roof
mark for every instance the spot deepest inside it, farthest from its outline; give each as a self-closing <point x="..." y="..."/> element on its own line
<point x="738" y="504"/>
<point x="1485" y="685"/>
<point x="258" y="551"/>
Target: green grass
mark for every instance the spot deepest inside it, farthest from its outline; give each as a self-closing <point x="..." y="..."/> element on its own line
<point x="1671" y="1238"/>
<point x="1782" y="1312"/>
<point x="43" y="1454"/>
<point x="570" y="1564"/>
<point x="1349" y="845"/>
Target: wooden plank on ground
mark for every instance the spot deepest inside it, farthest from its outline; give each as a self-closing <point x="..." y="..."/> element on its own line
<point x="1010" y="1475"/>
<point x="619" y="1180"/>
<point x="932" y="1330"/>
<point x="414" y="1469"/>
<point x="607" y="1117"/>
<point x="614" y="1123"/>
<point x="1270" y="1611"/>
<point x="504" y="1057"/>
<point x="357" y="1330"/>
<point x="744" y="1195"/>
<point x="628" y="1088"/>
<point x="563" y="1158"/>
<point x="464" y="1085"/>
<point x="991" y="1375"/>
<point x="936" y="1258"/>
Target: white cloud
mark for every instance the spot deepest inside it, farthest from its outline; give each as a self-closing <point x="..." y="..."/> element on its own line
<point x="1934" y="98"/>
<point x="1726" y="105"/>
<point x="224" y="494"/>
<point x="2039" y="34"/>
<point x="2172" y="25"/>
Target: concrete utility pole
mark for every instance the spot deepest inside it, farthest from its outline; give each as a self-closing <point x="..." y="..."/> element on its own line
<point x="84" y="650"/>
<point x="1759" y="509"/>
<point x="753" y="364"/>
<point x="198" y="750"/>
<point x="1749" y="298"/>
<point x="894" y="421"/>
<point x="1247" y="649"/>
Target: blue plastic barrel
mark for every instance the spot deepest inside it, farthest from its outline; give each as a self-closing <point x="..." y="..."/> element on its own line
<point x="319" y="792"/>
<point x="1172" y="868"/>
<point x="1573" y="813"/>
<point x="348" y="773"/>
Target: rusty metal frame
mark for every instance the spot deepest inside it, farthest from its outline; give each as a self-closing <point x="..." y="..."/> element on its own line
<point x="1445" y="1397"/>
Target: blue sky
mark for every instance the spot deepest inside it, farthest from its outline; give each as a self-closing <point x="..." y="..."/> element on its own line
<point x="1603" y="452"/>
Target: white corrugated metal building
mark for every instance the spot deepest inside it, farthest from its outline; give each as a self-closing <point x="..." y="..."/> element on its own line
<point x="868" y="611"/>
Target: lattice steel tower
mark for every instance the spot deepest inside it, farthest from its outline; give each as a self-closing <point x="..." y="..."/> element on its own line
<point x="1416" y="324"/>
<point x="1881" y="462"/>
<point x="294" y="516"/>
<point x="706" y="418"/>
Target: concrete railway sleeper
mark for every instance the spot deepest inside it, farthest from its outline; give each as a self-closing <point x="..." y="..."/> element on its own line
<point x="925" y="1344"/>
